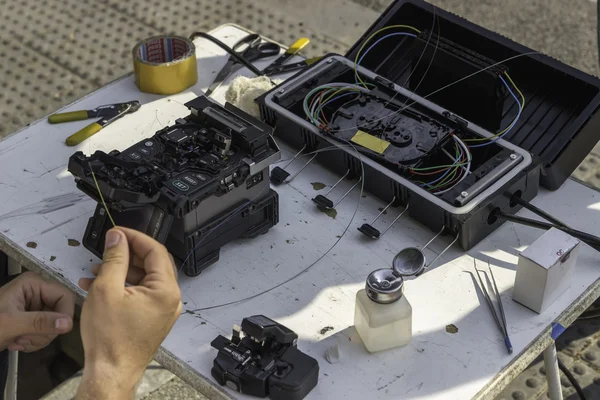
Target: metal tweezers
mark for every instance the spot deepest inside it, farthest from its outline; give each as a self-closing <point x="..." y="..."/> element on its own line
<point x="500" y="322"/>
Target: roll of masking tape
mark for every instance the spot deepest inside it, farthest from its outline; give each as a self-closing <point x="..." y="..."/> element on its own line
<point x="165" y="64"/>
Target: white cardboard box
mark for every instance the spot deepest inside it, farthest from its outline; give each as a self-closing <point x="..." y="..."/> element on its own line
<point x="545" y="269"/>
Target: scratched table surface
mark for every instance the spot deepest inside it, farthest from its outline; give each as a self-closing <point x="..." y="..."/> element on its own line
<point x="456" y="351"/>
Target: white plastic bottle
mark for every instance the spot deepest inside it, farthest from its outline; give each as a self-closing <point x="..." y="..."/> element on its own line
<point x="383" y="315"/>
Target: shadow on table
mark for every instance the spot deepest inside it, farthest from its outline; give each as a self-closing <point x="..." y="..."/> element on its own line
<point x="434" y="361"/>
<point x="432" y="364"/>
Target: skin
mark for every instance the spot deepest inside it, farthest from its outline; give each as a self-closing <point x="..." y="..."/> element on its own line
<point x="33" y="312"/>
<point x="121" y="326"/>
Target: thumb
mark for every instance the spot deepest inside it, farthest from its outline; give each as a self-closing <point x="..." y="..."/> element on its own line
<point x="115" y="261"/>
<point x="41" y="323"/>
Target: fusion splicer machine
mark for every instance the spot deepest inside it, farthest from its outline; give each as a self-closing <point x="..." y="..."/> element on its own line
<point x="194" y="186"/>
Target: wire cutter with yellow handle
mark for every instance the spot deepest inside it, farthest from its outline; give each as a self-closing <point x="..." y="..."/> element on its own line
<point x="107" y="114"/>
<point x="279" y="67"/>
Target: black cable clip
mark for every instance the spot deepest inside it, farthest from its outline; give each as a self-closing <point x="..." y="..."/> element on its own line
<point x="324" y="203"/>
<point x="280" y="175"/>
<point x="372" y="232"/>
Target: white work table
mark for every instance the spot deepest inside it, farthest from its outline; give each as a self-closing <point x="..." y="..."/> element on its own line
<point x="42" y="213"/>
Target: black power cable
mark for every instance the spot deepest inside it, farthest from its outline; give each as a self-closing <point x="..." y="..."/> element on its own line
<point x="228" y="49"/>
<point x="538" y="211"/>
<point x="583" y="236"/>
<point x="571" y="379"/>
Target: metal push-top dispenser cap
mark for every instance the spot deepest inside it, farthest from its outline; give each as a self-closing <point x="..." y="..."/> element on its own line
<point x="384" y="286"/>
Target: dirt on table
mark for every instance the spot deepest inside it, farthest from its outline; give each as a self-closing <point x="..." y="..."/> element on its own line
<point x="325" y="330"/>
<point x="330" y="212"/>
<point x="318" y="185"/>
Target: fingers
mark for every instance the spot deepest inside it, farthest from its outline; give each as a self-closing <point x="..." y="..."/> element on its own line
<point x="57" y="298"/>
<point x="96" y="268"/>
<point x="31" y="343"/>
<point x="115" y="261"/>
<point x="131" y="256"/>
<point x="85" y="283"/>
<point x="156" y="259"/>
<point x="134" y="274"/>
<point x="40" y="323"/>
<point x="15" y="347"/>
<point x="42" y="295"/>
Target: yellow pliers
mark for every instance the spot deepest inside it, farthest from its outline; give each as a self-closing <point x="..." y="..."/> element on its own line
<point x="107" y="114"/>
<point x="279" y="67"/>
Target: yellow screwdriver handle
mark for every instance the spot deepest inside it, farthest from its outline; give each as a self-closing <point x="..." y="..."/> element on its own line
<point x="68" y="117"/>
<point x="83" y="134"/>
<point x="297" y="46"/>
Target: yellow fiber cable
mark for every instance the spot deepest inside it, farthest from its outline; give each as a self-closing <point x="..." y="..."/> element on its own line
<point x="509" y="125"/>
<point x="517" y="88"/>
<point x="102" y="198"/>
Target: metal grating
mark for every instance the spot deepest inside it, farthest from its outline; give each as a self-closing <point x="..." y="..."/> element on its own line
<point x="53" y="55"/>
<point x="185" y="16"/>
<point x="88" y="39"/>
<point x="589" y="170"/>
<point x="531" y="383"/>
<point x="57" y="51"/>
<point x="33" y="85"/>
<point x="579" y="349"/>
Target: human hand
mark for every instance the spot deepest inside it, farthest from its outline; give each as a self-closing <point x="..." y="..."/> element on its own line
<point x="33" y="312"/>
<point x="123" y="326"/>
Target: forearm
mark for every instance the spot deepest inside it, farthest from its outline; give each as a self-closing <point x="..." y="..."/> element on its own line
<point x="102" y="382"/>
<point x="3" y="370"/>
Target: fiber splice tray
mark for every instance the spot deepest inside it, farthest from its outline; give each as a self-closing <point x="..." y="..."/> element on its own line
<point x="560" y="121"/>
<point x="411" y="125"/>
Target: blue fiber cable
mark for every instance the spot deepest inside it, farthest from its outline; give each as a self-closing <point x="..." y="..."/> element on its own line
<point x="382" y="38"/>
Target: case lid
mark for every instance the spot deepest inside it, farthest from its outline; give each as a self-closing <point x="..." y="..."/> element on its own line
<point x="558" y="122"/>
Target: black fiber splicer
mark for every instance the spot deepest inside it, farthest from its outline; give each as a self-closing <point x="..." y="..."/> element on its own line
<point x="194" y="186"/>
<point x="262" y="359"/>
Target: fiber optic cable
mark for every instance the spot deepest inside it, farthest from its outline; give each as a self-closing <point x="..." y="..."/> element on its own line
<point x="433" y="25"/>
<point x="318" y="260"/>
<point x="356" y="75"/>
<point x="334" y="85"/>
<point x="459" y="157"/>
<point x="449" y="171"/>
<point x="425" y="97"/>
<point x="499" y="135"/>
<point x="102" y="198"/>
<point x="356" y="62"/>
<point x="467" y="168"/>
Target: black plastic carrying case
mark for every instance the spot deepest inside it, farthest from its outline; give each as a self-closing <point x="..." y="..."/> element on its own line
<point x="560" y="123"/>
